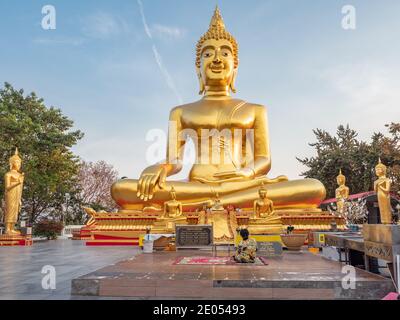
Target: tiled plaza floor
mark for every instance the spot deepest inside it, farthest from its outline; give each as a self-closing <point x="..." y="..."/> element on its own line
<point x="21" y="267"/>
<point x="292" y="276"/>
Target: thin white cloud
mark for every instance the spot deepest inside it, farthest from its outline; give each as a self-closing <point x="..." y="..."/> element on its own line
<point x="167" y="32"/>
<point x="101" y="25"/>
<point x="170" y="82"/>
<point x="59" y="41"/>
<point x="368" y="88"/>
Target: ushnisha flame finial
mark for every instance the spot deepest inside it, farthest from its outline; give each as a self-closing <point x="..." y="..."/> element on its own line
<point x="216" y="21"/>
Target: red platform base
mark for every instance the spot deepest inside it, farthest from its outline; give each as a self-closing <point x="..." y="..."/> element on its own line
<point x="126" y="239"/>
<point x="15" y="240"/>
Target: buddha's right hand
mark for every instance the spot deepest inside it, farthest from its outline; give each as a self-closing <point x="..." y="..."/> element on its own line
<point x="149" y="179"/>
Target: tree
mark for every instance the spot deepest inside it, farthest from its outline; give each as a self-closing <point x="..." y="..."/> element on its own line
<point x="356" y="158"/>
<point x="95" y="180"/>
<point x="43" y="136"/>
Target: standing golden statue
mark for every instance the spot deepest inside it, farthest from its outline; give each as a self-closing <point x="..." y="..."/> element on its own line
<point x="232" y="129"/>
<point x="382" y="188"/>
<point x="13" y="181"/>
<point x="172" y="208"/>
<point x="342" y="192"/>
<point x="263" y="207"/>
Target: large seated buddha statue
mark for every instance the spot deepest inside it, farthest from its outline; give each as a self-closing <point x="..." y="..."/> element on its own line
<point x="231" y="138"/>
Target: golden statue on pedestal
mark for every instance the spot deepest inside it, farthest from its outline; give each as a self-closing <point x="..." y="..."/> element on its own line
<point x="217" y="206"/>
<point x="13" y="181"/>
<point x="263" y="207"/>
<point x="172" y="208"/>
<point x="234" y="175"/>
<point x="232" y="161"/>
<point x="342" y="192"/>
<point x="382" y="188"/>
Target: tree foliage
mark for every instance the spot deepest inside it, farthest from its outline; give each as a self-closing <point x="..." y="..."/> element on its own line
<point x="356" y="158"/>
<point x="95" y="180"/>
<point x="44" y="137"/>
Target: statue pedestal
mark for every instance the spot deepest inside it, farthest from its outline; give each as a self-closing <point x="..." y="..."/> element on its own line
<point x="15" y="240"/>
<point x="310" y="220"/>
<point x="125" y="228"/>
<point x="121" y="229"/>
<point x="382" y="241"/>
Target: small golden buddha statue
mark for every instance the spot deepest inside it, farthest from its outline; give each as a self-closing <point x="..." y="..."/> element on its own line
<point x="263" y="207"/>
<point x="172" y="208"/>
<point x="342" y="192"/>
<point x="382" y="188"/>
<point x="217" y="206"/>
<point x="228" y="127"/>
<point x="14" y="181"/>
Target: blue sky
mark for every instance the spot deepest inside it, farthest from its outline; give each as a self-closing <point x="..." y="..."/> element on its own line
<point x="99" y="67"/>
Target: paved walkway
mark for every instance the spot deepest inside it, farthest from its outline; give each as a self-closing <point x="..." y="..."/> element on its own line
<point x="21" y="267"/>
<point x="292" y="276"/>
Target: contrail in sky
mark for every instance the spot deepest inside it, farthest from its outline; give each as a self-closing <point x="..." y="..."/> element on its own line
<point x="157" y="56"/>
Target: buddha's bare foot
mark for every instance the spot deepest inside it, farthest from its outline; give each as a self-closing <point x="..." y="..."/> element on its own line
<point x="13" y="233"/>
<point x="151" y="209"/>
<point x="274" y="180"/>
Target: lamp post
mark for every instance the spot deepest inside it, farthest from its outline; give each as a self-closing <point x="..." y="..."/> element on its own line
<point x="65" y="210"/>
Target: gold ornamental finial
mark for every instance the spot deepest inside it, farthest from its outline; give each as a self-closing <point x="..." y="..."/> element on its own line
<point x="217" y="31"/>
<point x="216" y="21"/>
<point x="172" y="193"/>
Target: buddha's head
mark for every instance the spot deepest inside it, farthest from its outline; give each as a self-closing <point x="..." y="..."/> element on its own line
<point x="341" y="179"/>
<point x="244" y="233"/>
<point x="15" y="161"/>
<point x="217" y="58"/>
<point x="380" y="169"/>
<point x="262" y="192"/>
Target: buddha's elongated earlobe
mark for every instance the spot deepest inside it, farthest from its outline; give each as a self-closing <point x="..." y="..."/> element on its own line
<point x="201" y="82"/>
<point x="232" y="84"/>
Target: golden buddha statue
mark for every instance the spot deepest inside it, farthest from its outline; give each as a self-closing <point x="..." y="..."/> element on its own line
<point x="230" y="130"/>
<point x="263" y="207"/>
<point x="382" y="188"/>
<point x="13" y="181"/>
<point x="217" y="206"/>
<point x="172" y="208"/>
<point x="342" y="192"/>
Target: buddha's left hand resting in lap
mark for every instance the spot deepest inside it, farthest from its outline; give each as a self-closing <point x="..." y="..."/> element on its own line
<point x="225" y="132"/>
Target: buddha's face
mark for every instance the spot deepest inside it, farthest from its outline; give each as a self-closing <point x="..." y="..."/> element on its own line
<point x="217" y="63"/>
<point x="262" y="194"/>
<point x="173" y="195"/>
<point x="341" y="181"/>
<point x="16" y="165"/>
<point x="380" y="172"/>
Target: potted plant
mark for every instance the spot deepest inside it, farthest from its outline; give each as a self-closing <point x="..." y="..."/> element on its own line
<point x="293" y="241"/>
<point x="148" y="244"/>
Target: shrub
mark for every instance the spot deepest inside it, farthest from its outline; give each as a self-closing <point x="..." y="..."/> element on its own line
<point x="48" y="228"/>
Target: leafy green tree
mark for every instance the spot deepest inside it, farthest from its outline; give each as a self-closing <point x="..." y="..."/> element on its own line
<point x="44" y="137"/>
<point x="356" y="158"/>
